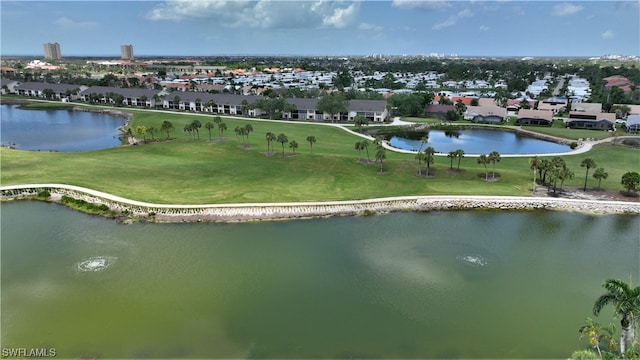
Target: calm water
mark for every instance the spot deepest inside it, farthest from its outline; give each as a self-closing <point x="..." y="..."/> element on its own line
<point x="60" y="130"/>
<point x="406" y="285"/>
<point x="481" y="141"/>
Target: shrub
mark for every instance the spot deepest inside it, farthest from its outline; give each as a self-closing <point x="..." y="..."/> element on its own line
<point x="44" y="194"/>
<point x="573" y="145"/>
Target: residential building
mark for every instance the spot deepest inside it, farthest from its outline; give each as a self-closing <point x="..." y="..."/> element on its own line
<point x="534" y="117"/>
<point x="126" y="52"/>
<point x="633" y="123"/>
<point x="486" y="114"/>
<point x="591" y="120"/>
<point x="52" y="51"/>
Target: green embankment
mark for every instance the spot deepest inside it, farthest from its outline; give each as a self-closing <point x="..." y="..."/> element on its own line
<point x="186" y="171"/>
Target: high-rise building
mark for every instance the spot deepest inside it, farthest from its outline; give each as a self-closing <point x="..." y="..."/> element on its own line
<point x="52" y="51"/>
<point x="126" y="52"/>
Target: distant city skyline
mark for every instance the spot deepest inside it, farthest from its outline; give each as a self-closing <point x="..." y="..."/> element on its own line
<point x="332" y="28"/>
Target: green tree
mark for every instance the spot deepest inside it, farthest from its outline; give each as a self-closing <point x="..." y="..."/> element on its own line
<point x="493" y="158"/>
<point x="217" y="119"/>
<point x="248" y="129"/>
<point x="484" y="160"/>
<point x="196" y="125"/>
<point x="534" y="164"/>
<point x="332" y="104"/>
<point x="293" y="145"/>
<point x="152" y="131"/>
<point x="282" y="139"/>
<point x="451" y="155"/>
<point x="600" y="174"/>
<point x="630" y="181"/>
<point x="626" y="303"/>
<point x="459" y="154"/>
<point x="587" y="163"/>
<point x="365" y="145"/>
<point x="596" y="334"/>
<point x="312" y="140"/>
<point x="420" y="156"/>
<point x="452" y="115"/>
<point x="176" y="102"/>
<point x="429" y="158"/>
<point x="167" y="127"/>
<point x="358" y="147"/>
<point x="360" y="120"/>
<point x="381" y="154"/>
<point x="460" y="107"/>
<point x="209" y="126"/>
<point x="189" y="129"/>
<point x="142" y="131"/>
<point x="269" y="136"/>
<point x="221" y="128"/>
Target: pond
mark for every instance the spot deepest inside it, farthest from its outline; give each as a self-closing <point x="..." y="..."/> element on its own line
<point x="482" y="284"/>
<point x="481" y="141"/>
<point x="58" y="130"/>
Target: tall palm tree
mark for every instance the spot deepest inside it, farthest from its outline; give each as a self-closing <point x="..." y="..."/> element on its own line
<point x="167" y="127"/>
<point x="451" y="155"/>
<point x="626" y="303"/>
<point x="459" y="155"/>
<point x="293" y="145"/>
<point x="428" y="152"/>
<point x="365" y="145"/>
<point x="196" y="125"/>
<point x="494" y="157"/>
<point x="600" y="174"/>
<point x="221" y="128"/>
<point x="358" y="146"/>
<point x="420" y="156"/>
<point x="587" y="163"/>
<point x="423" y="140"/>
<point x="381" y="154"/>
<point x="282" y="139"/>
<point x="209" y="126"/>
<point x="189" y="128"/>
<point x="248" y="129"/>
<point x="269" y="136"/>
<point x="596" y="333"/>
<point x="312" y="140"/>
<point x="484" y="160"/>
<point x="534" y="164"/>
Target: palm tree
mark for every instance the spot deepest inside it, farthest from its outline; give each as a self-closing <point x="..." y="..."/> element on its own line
<point x="595" y="334"/>
<point x="142" y="131"/>
<point x="534" y="164"/>
<point x="269" y="136"/>
<point x="423" y="140"/>
<point x="282" y="139"/>
<point x="209" y="126"/>
<point x="587" y="163"/>
<point x="626" y="303"/>
<point x="428" y="152"/>
<point x="248" y="129"/>
<point x="189" y="128"/>
<point x="420" y="156"/>
<point x="381" y="154"/>
<point x="221" y="128"/>
<point x="484" y="160"/>
<point x="176" y="102"/>
<point x="167" y="127"/>
<point x="293" y="145"/>
<point x="494" y="157"/>
<point x="360" y="120"/>
<point x="195" y="125"/>
<point x="459" y="154"/>
<point x="358" y="146"/>
<point x="217" y="119"/>
<point x="152" y="131"/>
<point x="312" y="140"/>
<point x="451" y="155"/>
<point x="364" y="144"/>
<point x="600" y="174"/>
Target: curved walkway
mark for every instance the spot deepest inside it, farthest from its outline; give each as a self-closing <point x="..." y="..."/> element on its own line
<point x="292" y="210"/>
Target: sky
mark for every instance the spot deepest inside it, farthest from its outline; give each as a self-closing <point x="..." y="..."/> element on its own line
<point x="322" y="27"/>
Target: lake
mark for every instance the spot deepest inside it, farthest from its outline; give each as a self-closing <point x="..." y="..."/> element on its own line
<point x="481" y="141"/>
<point x="472" y="284"/>
<point x="58" y="130"/>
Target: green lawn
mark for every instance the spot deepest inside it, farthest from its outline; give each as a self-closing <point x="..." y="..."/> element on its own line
<point x="199" y="171"/>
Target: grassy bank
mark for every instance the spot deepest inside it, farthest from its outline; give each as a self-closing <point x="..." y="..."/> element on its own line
<point x="184" y="171"/>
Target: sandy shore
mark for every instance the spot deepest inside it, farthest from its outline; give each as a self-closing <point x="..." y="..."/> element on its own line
<point x="280" y="211"/>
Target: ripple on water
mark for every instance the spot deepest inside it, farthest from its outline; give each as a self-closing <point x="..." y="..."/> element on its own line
<point x="97" y="263"/>
<point x="473" y="260"/>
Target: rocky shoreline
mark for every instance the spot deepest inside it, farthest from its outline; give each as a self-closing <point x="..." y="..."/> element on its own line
<point x="303" y="210"/>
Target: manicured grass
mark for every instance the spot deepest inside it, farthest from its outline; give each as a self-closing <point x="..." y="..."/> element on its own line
<point x="189" y="171"/>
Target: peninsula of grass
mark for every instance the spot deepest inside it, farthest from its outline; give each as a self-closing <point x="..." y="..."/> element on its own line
<point x="183" y="170"/>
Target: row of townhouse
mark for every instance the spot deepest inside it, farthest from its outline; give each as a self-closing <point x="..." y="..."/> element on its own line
<point x="220" y="103"/>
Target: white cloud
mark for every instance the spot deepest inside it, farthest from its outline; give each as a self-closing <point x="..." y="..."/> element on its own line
<point x="65" y="22"/>
<point x="452" y="20"/>
<point x="607" y="34"/>
<point x="367" y="26"/>
<point x="260" y="13"/>
<point x="484" y="28"/>
<point x="421" y="5"/>
<point x="566" y="9"/>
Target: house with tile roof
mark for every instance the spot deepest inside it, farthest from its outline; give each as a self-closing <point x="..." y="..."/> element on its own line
<point x="591" y="120"/>
<point x="534" y="117"/>
<point x="486" y="114"/>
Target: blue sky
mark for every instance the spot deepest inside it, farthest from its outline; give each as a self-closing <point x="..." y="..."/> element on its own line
<point x="322" y="27"/>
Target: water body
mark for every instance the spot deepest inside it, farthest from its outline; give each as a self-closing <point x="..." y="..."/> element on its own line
<point x="481" y="141"/>
<point x="406" y="285"/>
<point x="58" y="130"/>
